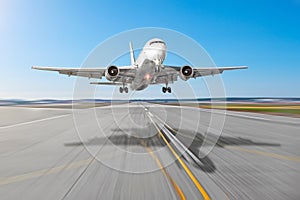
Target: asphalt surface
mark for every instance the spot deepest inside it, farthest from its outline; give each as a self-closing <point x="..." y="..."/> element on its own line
<point x="147" y="151"/>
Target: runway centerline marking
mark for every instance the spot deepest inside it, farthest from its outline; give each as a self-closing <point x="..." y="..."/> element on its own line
<point x="34" y="121"/>
<point x="164" y="171"/>
<point x="185" y="167"/>
<point x="264" y="153"/>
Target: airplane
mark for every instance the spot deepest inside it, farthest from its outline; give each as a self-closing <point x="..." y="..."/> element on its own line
<point x="147" y="69"/>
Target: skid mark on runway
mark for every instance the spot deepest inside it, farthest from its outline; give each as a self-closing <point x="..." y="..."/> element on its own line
<point x="34" y="121"/>
<point x="264" y="153"/>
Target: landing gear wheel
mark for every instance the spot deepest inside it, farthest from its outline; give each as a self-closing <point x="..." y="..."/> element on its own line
<point x="126" y="89"/>
<point x="164" y="89"/>
<point x="121" y="90"/>
<point x="169" y="89"/>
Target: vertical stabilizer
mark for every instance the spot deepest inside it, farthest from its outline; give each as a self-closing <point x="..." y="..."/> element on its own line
<point x="132" y="59"/>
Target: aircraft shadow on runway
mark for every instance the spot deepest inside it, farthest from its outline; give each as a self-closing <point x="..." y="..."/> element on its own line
<point x="124" y="139"/>
<point x="189" y="138"/>
<point x="222" y="141"/>
<point x="207" y="164"/>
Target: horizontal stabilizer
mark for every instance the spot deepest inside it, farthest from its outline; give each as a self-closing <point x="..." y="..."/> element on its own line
<point x="105" y="83"/>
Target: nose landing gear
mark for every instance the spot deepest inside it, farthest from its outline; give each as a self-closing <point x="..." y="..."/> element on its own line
<point x="123" y="89"/>
<point x="166" y="89"/>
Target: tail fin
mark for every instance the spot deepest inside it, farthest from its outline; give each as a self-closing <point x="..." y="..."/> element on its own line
<point x="132" y="59"/>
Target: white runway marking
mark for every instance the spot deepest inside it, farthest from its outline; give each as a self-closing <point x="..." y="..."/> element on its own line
<point x="34" y="121"/>
<point x="248" y="116"/>
<point x="264" y="117"/>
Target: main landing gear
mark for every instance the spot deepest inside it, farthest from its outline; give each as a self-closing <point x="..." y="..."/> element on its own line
<point x="123" y="89"/>
<point x="166" y="89"/>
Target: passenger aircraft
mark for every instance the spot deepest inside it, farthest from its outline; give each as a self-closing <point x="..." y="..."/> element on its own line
<point x="147" y="69"/>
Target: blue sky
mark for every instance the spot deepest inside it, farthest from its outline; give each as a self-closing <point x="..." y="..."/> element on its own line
<point x="265" y="35"/>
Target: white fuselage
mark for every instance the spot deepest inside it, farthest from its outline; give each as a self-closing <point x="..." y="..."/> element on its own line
<point x="148" y="62"/>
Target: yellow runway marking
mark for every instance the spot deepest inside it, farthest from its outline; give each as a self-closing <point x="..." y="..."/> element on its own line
<point x="13" y="179"/>
<point x="48" y="171"/>
<point x="185" y="167"/>
<point x="268" y="154"/>
<point x="164" y="171"/>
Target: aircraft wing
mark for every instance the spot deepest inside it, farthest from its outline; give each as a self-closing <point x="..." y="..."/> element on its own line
<point x="212" y="71"/>
<point x="83" y="72"/>
<point x="197" y="72"/>
<point x="126" y="72"/>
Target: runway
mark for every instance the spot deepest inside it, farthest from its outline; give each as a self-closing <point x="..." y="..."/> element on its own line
<point x="147" y="151"/>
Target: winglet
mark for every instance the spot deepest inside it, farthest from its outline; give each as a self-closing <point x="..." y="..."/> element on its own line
<point x="132" y="59"/>
<point x="41" y="68"/>
<point x="37" y="67"/>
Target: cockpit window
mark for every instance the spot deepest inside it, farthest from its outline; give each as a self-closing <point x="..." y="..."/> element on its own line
<point x="153" y="42"/>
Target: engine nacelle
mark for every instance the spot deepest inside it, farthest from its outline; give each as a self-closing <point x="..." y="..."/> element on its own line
<point x="111" y="72"/>
<point x="186" y="72"/>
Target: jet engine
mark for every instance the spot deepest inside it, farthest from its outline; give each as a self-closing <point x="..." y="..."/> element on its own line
<point x="111" y="72"/>
<point x="186" y="72"/>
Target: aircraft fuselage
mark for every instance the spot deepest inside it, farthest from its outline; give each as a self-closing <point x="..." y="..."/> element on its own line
<point x="148" y="62"/>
